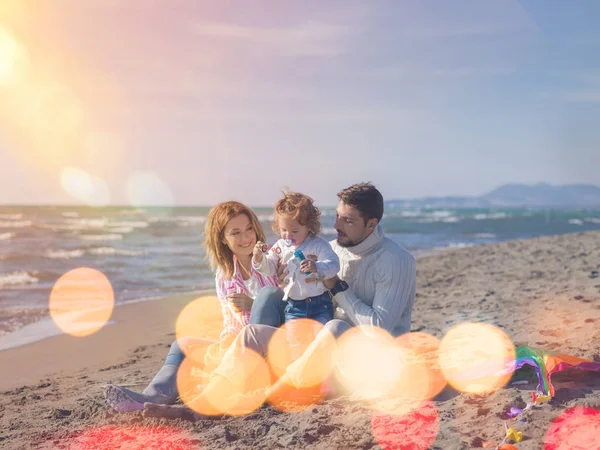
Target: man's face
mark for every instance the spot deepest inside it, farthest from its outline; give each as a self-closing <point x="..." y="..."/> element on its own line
<point x="350" y="226"/>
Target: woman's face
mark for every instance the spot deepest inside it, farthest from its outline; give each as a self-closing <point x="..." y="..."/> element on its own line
<point x="239" y="235"/>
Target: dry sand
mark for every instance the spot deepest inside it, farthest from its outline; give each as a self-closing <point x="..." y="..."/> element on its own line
<point x="543" y="292"/>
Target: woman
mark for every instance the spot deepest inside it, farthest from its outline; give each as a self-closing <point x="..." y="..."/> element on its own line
<point x="231" y="232"/>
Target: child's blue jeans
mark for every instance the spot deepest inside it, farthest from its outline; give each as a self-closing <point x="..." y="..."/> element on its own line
<point x="319" y="308"/>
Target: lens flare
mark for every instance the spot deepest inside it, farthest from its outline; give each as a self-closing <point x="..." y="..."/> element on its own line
<point x="149" y="438"/>
<point x="292" y="400"/>
<point x="307" y="368"/>
<point x="13" y="59"/>
<point x="413" y="431"/>
<point x="240" y="394"/>
<point x="81" y="301"/>
<point x="290" y="342"/>
<point x="146" y="188"/>
<point x="84" y="187"/>
<point x="419" y="380"/>
<point x="425" y="348"/>
<point x="576" y="428"/>
<point x="201" y="318"/>
<point x="476" y="358"/>
<point x="369" y="363"/>
<point x="191" y="381"/>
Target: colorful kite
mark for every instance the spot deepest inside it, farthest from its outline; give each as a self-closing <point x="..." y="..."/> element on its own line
<point x="546" y="363"/>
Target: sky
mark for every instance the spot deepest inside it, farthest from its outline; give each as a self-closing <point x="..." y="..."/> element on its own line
<point x="195" y="102"/>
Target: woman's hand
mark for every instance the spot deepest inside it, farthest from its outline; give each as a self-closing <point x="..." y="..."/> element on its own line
<point x="240" y="302"/>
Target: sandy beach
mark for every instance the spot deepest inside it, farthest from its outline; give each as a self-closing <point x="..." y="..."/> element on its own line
<point x="542" y="292"/>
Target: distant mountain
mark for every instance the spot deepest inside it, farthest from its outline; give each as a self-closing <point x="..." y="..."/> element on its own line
<point x="540" y="195"/>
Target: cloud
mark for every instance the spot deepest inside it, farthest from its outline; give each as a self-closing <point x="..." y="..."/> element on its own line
<point x="310" y="38"/>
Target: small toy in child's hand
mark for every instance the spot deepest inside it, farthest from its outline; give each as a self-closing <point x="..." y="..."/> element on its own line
<point x="264" y="248"/>
<point x="299" y="255"/>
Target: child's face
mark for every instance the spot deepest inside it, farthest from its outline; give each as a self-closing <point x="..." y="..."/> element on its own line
<point x="289" y="228"/>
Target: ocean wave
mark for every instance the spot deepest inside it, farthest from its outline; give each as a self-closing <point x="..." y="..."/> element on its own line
<point x="576" y="222"/>
<point x="101" y="237"/>
<point x="13" y="319"/>
<point x="459" y="245"/>
<point x="192" y="219"/>
<point x="410" y="213"/>
<point x="11" y="216"/>
<point x="451" y="219"/>
<point x="122" y="230"/>
<point x="441" y="214"/>
<point x="328" y="212"/>
<point x="17" y="278"/>
<point x="180" y="221"/>
<point x="491" y="216"/>
<point x="70" y="214"/>
<point x="98" y="251"/>
<point x="170" y="219"/>
<point x="592" y="220"/>
<point x="6" y="236"/>
<point x="64" y="254"/>
<point x="88" y="223"/>
<point x="265" y="217"/>
<point x="111" y="251"/>
<point x="131" y="212"/>
<point x="16" y="224"/>
<point x="485" y="235"/>
<point x="128" y="223"/>
<point x="60" y="227"/>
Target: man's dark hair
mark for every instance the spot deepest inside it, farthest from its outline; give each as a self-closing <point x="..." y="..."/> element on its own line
<point x="365" y="198"/>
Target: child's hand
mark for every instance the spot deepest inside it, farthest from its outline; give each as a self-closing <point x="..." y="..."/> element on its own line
<point x="258" y="251"/>
<point x="308" y="266"/>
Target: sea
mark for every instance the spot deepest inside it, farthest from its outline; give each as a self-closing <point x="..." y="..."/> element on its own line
<point x="150" y="253"/>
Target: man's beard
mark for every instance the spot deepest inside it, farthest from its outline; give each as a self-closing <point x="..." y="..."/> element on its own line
<point x="347" y="243"/>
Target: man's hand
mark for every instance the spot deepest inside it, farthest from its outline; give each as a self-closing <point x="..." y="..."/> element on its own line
<point x="240" y="302"/>
<point x="330" y="283"/>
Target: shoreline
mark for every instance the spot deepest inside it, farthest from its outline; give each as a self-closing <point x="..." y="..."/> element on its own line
<point x="44" y="328"/>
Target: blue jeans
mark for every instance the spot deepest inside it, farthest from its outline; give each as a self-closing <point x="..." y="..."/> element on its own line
<point x="268" y="308"/>
<point x="319" y="308"/>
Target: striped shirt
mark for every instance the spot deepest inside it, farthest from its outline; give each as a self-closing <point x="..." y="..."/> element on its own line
<point x="233" y="322"/>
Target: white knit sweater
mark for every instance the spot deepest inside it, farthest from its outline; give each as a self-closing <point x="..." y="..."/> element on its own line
<point x="382" y="279"/>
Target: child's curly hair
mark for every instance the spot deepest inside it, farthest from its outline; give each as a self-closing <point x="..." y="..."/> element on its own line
<point x="301" y="208"/>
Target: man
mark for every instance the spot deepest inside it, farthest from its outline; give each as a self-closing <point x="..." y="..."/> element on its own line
<point x="375" y="286"/>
